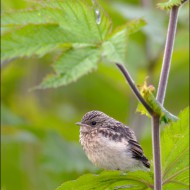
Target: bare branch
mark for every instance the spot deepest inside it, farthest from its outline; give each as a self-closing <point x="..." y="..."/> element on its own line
<point x="167" y="55"/>
<point x="134" y="88"/>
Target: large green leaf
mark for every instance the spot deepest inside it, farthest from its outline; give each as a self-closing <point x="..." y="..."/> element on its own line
<point x="80" y="20"/>
<point x="54" y="24"/>
<point x="72" y="65"/>
<point x="73" y="29"/>
<point x="37" y="16"/>
<point x="83" y="58"/>
<point x="110" y="180"/>
<point x="76" y="18"/>
<point x="175" y="151"/>
<point x="32" y="40"/>
<point x="114" y="49"/>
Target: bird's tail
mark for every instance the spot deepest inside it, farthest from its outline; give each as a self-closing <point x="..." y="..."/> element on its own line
<point x="145" y="162"/>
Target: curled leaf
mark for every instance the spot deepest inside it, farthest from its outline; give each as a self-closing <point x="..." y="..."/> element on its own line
<point x="169" y="4"/>
<point x="147" y="93"/>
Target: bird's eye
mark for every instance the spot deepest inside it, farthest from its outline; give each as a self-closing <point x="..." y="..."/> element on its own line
<point x="93" y="123"/>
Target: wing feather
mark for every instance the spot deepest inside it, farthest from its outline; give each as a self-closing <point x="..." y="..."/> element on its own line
<point x="119" y="132"/>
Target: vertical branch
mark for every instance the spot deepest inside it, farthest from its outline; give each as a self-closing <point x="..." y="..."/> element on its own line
<point x="161" y="95"/>
<point x="156" y="152"/>
<point x="167" y="55"/>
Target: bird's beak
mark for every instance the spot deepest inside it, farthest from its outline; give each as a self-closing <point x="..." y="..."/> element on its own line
<point x="81" y="124"/>
<point x="78" y="123"/>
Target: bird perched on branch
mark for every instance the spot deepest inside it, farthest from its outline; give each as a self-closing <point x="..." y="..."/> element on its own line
<point x="109" y="144"/>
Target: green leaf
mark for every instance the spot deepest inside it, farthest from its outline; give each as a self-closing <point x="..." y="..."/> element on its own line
<point x="175" y="152"/>
<point x="115" y="47"/>
<point x="147" y="94"/>
<point x="169" y="4"/>
<point x="62" y="26"/>
<point x="79" y="21"/>
<point x="46" y="15"/>
<point x="43" y="30"/>
<point x="32" y="40"/>
<point x="110" y="180"/>
<point x="72" y="65"/>
<point x="135" y="25"/>
<point x="76" y="62"/>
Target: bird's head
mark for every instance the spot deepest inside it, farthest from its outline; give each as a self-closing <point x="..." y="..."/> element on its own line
<point x="93" y="119"/>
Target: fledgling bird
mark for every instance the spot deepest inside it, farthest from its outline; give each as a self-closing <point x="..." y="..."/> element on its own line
<point x="109" y="144"/>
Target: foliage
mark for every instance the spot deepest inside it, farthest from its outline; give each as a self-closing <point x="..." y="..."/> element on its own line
<point x="175" y="157"/>
<point x="169" y="4"/>
<point x="55" y="26"/>
<point x="111" y="180"/>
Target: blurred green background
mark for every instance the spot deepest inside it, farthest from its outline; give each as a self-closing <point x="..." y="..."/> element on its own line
<point x="40" y="141"/>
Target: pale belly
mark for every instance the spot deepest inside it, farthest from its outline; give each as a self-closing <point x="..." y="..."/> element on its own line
<point x="111" y="155"/>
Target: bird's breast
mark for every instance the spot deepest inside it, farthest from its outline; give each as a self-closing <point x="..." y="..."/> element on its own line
<point x="106" y="153"/>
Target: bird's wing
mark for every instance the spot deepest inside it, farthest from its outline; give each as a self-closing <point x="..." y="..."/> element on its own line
<point x="136" y="149"/>
<point x="120" y="132"/>
<point x="123" y="130"/>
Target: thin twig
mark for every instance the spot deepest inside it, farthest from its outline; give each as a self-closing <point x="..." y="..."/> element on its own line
<point x="167" y="55"/>
<point x="134" y="88"/>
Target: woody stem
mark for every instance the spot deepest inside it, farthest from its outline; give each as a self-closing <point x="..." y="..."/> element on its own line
<point x="134" y="88"/>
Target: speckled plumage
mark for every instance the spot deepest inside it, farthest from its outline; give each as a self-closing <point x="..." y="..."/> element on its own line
<point x="109" y="144"/>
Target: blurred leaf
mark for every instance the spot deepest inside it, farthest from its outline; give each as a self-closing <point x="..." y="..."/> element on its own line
<point x="168" y="5"/>
<point x="135" y="25"/>
<point x="179" y="74"/>
<point x="40" y="161"/>
<point x="110" y="180"/>
<point x="8" y="117"/>
<point x="175" y="152"/>
<point x="10" y="5"/>
<point x="149" y="42"/>
<point x="60" y="156"/>
<point x="114" y="49"/>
